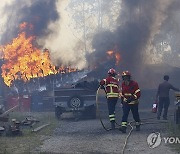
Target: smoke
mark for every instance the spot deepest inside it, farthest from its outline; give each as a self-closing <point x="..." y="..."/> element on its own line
<point x="139" y="22"/>
<point x="55" y="25"/>
<point x="50" y="21"/>
<point x="38" y="13"/>
<point x="160" y="15"/>
<point x="132" y="35"/>
<point x="64" y="46"/>
<point x="170" y="31"/>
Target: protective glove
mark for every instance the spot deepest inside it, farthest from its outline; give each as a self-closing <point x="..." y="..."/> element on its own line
<point x="130" y="99"/>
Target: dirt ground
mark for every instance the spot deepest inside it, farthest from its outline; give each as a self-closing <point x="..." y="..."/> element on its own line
<point x="88" y="136"/>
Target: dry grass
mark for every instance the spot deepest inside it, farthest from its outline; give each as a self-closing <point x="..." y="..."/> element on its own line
<point x="29" y="140"/>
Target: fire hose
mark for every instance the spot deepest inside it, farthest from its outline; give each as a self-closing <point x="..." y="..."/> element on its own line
<point x="129" y="124"/>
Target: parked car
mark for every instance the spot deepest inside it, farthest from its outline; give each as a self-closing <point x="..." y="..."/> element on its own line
<point x="79" y="99"/>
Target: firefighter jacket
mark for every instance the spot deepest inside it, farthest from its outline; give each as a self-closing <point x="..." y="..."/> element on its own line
<point x="111" y="86"/>
<point x="130" y="93"/>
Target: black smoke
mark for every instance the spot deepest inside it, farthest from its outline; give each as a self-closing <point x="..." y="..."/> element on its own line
<point x="39" y="13"/>
<point x="131" y="36"/>
<point x="130" y="39"/>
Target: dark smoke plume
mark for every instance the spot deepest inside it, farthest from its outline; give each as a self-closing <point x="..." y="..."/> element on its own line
<point x="131" y="36"/>
<point x="140" y="21"/>
<point x="39" y="13"/>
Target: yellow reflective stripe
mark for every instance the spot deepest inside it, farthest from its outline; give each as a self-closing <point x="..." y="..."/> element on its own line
<point x="112" y="85"/>
<point x="112" y="115"/>
<point x="111" y="93"/>
<point x="124" y="124"/>
<point x="112" y="96"/>
<point x="112" y="119"/>
<point x="111" y="90"/>
<point x="127" y="94"/>
<point x="138" y="90"/>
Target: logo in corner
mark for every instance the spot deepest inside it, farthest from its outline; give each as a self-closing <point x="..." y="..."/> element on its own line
<point x="154" y="140"/>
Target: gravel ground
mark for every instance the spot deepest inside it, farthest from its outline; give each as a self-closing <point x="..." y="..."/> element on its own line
<point x="88" y="136"/>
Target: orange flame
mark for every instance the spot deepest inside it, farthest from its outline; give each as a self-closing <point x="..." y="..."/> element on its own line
<point x="112" y="54"/>
<point x="118" y="57"/>
<point x="24" y="25"/>
<point x="24" y="61"/>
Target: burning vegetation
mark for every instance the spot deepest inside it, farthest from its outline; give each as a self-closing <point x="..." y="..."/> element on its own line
<point x="125" y="38"/>
<point x="23" y="60"/>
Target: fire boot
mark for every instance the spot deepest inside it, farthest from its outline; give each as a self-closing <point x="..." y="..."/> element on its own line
<point x="112" y="125"/>
<point x="137" y="126"/>
<point x="123" y="129"/>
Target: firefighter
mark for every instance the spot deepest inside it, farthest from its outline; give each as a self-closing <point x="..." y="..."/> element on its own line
<point x="130" y="94"/>
<point x="111" y="87"/>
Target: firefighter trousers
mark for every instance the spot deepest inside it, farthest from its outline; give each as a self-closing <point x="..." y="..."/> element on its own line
<point x="134" y="110"/>
<point x="111" y="108"/>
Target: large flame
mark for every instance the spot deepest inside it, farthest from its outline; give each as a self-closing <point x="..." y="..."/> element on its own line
<point x="22" y="60"/>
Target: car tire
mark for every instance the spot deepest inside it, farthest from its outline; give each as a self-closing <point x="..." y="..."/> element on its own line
<point x="58" y="112"/>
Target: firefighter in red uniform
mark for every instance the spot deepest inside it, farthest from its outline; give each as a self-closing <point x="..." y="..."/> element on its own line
<point x="130" y="95"/>
<point x="111" y="87"/>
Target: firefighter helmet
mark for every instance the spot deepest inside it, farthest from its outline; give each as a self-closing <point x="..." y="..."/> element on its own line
<point x="112" y="71"/>
<point x="126" y="73"/>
